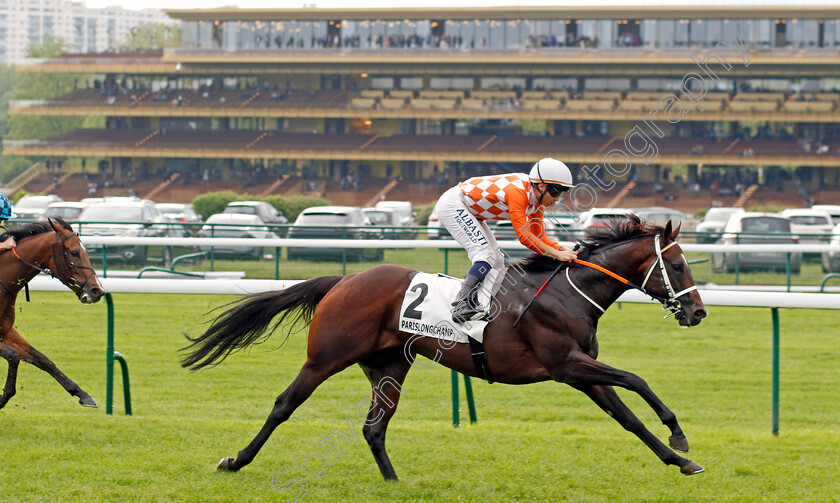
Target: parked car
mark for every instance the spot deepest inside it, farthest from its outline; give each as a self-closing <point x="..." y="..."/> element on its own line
<point x="68" y="210"/>
<point x="267" y="213"/>
<point x="31" y="207"/>
<point x="710" y="228"/>
<point x="567" y="224"/>
<point x="831" y="209"/>
<point x="599" y="218"/>
<point x="659" y="215"/>
<point x="389" y="220"/>
<point x="812" y="226"/>
<point x="435" y="230"/>
<point x="407" y="215"/>
<point x="180" y="212"/>
<point x="402" y="208"/>
<point x="130" y="217"/>
<point x="831" y="260"/>
<point x="235" y="225"/>
<point x="756" y="228"/>
<point x="333" y="222"/>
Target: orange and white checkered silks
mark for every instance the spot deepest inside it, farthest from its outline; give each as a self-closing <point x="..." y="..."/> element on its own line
<point x="508" y="197"/>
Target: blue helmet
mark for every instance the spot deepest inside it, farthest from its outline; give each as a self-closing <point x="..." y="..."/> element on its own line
<point x="6" y="208"/>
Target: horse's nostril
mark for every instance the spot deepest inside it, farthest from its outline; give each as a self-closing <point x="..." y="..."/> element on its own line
<point x="700" y="313"/>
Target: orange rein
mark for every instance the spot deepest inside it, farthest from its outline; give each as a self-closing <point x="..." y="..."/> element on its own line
<point x="603" y="270"/>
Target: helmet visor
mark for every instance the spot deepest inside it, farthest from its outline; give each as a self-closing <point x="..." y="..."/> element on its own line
<point x="555" y="190"/>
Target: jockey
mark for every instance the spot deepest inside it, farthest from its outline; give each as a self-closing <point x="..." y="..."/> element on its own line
<point x="5" y="214"/>
<point x="517" y="197"/>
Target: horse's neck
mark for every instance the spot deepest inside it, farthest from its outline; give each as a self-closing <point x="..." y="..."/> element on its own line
<point x="619" y="260"/>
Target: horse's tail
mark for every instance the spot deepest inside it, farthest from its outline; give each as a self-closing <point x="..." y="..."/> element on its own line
<point x="245" y="321"/>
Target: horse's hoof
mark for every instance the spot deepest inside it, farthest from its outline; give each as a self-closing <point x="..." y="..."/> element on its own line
<point x="88" y="401"/>
<point x="226" y="465"/>
<point x="679" y="444"/>
<point x="691" y="468"/>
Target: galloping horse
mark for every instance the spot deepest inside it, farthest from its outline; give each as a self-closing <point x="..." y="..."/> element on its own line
<point x="354" y="319"/>
<point x="42" y="247"/>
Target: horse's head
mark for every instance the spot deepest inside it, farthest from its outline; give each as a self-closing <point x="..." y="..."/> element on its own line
<point x="667" y="276"/>
<point x="70" y="263"/>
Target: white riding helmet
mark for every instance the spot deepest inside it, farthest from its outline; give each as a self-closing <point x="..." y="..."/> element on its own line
<point x="551" y="172"/>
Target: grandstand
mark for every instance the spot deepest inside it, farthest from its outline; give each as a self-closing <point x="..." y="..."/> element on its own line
<point x="430" y="96"/>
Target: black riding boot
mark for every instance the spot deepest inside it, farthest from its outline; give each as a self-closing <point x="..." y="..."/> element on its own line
<point x="466" y="306"/>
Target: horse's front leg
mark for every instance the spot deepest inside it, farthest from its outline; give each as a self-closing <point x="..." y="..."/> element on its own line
<point x="607" y="399"/>
<point x="31" y="355"/>
<point x="13" y="358"/>
<point x="584" y="369"/>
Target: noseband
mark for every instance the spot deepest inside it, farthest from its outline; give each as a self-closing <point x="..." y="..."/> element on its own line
<point x="671" y="302"/>
<point x="62" y="265"/>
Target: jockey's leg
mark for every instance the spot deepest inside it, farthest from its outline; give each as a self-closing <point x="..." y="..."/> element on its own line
<point x="476" y="238"/>
<point x="466" y="306"/>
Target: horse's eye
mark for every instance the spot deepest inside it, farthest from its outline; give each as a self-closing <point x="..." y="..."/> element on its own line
<point x="75" y="253"/>
<point x="677" y="266"/>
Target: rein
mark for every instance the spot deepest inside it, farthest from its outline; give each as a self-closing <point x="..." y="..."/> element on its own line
<point x="669" y="303"/>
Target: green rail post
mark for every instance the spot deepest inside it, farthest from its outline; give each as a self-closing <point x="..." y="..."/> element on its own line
<point x="826" y="278"/>
<point x="212" y="249"/>
<point x="456" y="418"/>
<point x="775" y="313"/>
<point x="737" y="269"/>
<point x="456" y="401"/>
<point x="104" y="261"/>
<point x="787" y="270"/>
<point x="446" y="261"/>
<point x="276" y="262"/>
<point x="110" y="356"/>
<point x="470" y="402"/>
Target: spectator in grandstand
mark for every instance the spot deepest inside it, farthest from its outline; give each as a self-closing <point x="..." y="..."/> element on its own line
<point x="521" y="198"/>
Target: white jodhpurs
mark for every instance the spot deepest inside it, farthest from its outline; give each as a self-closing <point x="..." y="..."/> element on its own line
<point x="474" y="235"/>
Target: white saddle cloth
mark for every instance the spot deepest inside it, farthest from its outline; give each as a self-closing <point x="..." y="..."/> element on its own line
<point x="427" y="309"/>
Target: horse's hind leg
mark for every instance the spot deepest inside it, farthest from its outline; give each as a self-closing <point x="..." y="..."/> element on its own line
<point x="607" y="399"/>
<point x="309" y="378"/>
<point x="13" y="358"/>
<point x="31" y="355"/>
<point x="386" y="371"/>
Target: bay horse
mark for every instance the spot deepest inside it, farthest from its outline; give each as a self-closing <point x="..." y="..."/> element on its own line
<point x="51" y="247"/>
<point x="354" y="319"/>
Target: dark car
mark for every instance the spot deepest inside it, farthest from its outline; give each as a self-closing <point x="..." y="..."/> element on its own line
<point x="333" y="222"/>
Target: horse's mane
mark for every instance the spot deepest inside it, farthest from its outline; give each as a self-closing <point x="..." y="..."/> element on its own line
<point x="618" y="230"/>
<point x="35" y="228"/>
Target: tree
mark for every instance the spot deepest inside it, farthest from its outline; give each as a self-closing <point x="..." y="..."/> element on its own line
<point x="150" y="37"/>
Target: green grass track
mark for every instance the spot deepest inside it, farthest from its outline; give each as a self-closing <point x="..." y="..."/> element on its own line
<point x="543" y="442"/>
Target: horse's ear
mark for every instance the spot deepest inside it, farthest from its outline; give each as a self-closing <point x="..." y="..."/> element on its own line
<point x="676" y="232"/>
<point x="667" y="233"/>
<point x="55" y="226"/>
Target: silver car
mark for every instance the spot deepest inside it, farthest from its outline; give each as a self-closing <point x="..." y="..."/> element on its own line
<point x="236" y="225"/>
<point x="757" y="228"/>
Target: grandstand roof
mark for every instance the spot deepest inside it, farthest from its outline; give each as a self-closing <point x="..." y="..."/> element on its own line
<point x="565" y="12"/>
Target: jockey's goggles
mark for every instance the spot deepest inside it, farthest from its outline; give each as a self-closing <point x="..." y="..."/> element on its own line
<point x="554" y="190"/>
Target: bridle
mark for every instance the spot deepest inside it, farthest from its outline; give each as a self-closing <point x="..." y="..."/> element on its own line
<point x="670" y="303"/>
<point x="62" y="265"/>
